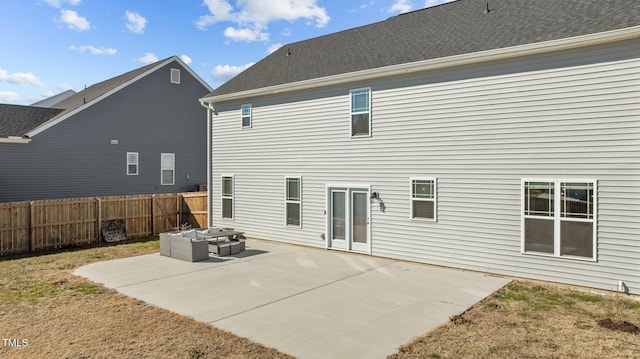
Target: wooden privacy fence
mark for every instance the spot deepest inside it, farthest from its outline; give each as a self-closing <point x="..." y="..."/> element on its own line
<point x="37" y="225"/>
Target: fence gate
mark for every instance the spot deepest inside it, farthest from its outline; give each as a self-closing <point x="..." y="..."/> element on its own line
<point x="166" y="211"/>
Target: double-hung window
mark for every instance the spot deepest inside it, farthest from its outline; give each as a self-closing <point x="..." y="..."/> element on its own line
<point x="227" y="197"/>
<point x="167" y="163"/>
<point x="423" y="198"/>
<point x="246" y="115"/>
<point x="293" y="201"/>
<point x="132" y="163"/>
<point x="559" y="218"/>
<point x="361" y="112"/>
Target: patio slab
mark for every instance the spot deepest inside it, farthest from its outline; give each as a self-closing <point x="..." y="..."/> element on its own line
<point x="307" y="302"/>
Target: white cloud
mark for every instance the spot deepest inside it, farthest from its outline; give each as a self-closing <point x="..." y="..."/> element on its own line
<point x="9" y="97"/>
<point x="187" y="60"/>
<point x="248" y="35"/>
<point x="224" y="72"/>
<point x="135" y="22"/>
<point x="148" y="58"/>
<point x="94" y="50"/>
<point x="429" y="3"/>
<point x="74" y="21"/>
<point x="58" y="3"/>
<point x="401" y="6"/>
<point x="64" y="87"/>
<point x="253" y="16"/>
<point x="20" y="78"/>
<point x="273" y="48"/>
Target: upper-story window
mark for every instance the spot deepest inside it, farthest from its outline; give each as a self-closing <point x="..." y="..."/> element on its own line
<point x="361" y="112"/>
<point x="246" y="115"/>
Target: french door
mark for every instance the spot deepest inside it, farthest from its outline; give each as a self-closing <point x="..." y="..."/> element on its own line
<point x="348" y="219"/>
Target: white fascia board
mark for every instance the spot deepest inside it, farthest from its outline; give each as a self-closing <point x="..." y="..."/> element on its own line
<point x="14" y="139"/>
<point x="438" y="63"/>
<point x="57" y="120"/>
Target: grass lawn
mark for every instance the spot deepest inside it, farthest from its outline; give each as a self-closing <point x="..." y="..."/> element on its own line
<point x="51" y="313"/>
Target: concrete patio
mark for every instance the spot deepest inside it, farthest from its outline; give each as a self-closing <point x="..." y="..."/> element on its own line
<point x="310" y="303"/>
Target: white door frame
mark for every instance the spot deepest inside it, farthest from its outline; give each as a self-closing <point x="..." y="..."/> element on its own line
<point x="349" y="190"/>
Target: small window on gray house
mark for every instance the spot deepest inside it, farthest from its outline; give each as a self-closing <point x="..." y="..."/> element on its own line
<point x="167" y="169"/>
<point x="246" y="115"/>
<point x="132" y="163"/>
<point x="175" y="76"/>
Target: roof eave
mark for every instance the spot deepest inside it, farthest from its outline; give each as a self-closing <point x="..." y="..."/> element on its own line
<point x="431" y="64"/>
<point x="14" y="139"/>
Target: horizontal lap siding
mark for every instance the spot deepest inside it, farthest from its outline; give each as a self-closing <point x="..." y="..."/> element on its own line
<point x="479" y="135"/>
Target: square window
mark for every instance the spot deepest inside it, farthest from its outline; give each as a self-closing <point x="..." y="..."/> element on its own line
<point x="562" y="226"/>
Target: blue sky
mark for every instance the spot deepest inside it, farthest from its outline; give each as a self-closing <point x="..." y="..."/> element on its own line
<point x="49" y="46"/>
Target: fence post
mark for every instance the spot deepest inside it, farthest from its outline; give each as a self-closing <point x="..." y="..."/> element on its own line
<point x="99" y="219"/>
<point x="31" y="230"/>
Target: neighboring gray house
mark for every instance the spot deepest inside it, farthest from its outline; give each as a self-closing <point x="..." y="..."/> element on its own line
<point x="138" y="133"/>
<point x="502" y="138"/>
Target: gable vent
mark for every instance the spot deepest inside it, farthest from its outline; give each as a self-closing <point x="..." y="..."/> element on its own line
<point x="175" y="76"/>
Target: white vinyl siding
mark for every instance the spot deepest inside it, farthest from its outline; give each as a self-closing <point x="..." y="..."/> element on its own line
<point x="167" y="170"/>
<point x="132" y="163"/>
<point x="479" y="130"/>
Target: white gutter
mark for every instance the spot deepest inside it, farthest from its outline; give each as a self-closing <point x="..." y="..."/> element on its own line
<point x="210" y="110"/>
<point x="14" y="139"/>
<point x="443" y="62"/>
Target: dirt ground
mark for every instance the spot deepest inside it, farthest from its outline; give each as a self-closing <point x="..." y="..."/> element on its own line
<point x="47" y="312"/>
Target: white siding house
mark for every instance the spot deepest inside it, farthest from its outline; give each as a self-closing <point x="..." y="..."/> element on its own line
<point x="517" y="158"/>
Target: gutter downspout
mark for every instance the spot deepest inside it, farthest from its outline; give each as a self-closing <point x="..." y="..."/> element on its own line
<point x="209" y="165"/>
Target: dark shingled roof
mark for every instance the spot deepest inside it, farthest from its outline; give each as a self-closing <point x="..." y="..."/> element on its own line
<point x="455" y="28"/>
<point x="16" y="120"/>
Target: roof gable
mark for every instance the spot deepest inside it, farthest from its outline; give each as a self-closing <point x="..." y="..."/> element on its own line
<point x="95" y="93"/>
<point x="456" y="28"/>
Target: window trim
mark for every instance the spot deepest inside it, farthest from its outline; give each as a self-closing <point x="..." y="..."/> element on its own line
<point x="434" y="199"/>
<point x="232" y="197"/>
<point x="558" y="219"/>
<point x="173" y="169"/>
<point x="250" y="116"/>
<point x="174" y="76"/>
<point x="136" y="163"/>
<point x="352" y="112"/>
<point x="287" y="201"/>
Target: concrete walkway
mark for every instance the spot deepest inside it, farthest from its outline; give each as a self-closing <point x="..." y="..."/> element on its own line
<point x="310" y="303"/>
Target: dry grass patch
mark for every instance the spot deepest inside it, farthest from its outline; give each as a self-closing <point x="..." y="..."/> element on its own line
<point x="531" y="320"/>
<point x="64" y="316"/>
